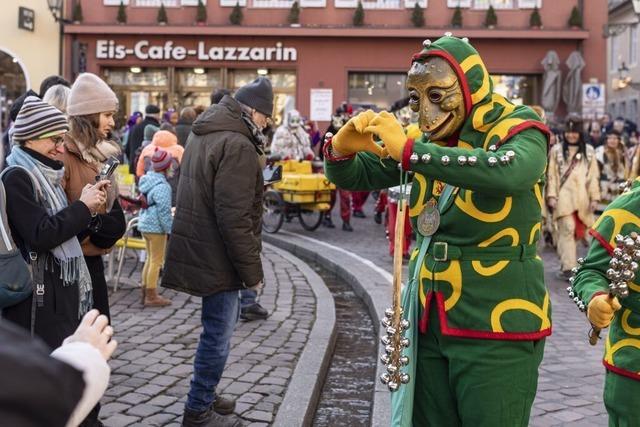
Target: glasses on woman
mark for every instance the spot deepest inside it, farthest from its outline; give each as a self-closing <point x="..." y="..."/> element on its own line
<point x="57" y="140"/>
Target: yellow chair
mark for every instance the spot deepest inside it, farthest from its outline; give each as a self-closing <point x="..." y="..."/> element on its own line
<point x="126" y="242"/>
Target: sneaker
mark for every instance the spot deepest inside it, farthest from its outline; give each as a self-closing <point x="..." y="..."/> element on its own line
<point x="346" y="227"/>
<point x="209" y="418"/>
<point x="378" y="217"/>
<point x="254" y="312"/>
<point x="327" y="222"/>
<point x="224" y="405"/>
<point x="359" y="214"/>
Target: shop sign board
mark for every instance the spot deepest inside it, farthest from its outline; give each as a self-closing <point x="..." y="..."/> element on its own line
<point x="593" y="100"/>
<point x="146" y="50"/>
<point x="321" y="105"/>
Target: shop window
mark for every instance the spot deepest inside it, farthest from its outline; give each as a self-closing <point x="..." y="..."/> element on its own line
<point x="633" y="44"/>
<point x="283" y="82"/>
<point x="497" y="4"/>
<point x="623" y="109"/>
<point x="633" y="113"/>
<point x="517" y="89"/>
<point x="614" y="50"/>
<point x="196" y="84"/>
<point x="13" y="83"/>
<point x="136" y="77"/>
<point x="456" y="3"/>
<point x="378" y="91"/>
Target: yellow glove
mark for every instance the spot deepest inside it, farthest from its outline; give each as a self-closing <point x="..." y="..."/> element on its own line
<point x="601" y="310"/>
<point x="390" y="131"/>
<point x="352" y="138"/>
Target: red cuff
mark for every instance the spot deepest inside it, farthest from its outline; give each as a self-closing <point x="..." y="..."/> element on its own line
<point x="598" y="293"/>
<point x="406" y="153"/>
<point x="329" y="156"/>
<point x="603" y="242"/>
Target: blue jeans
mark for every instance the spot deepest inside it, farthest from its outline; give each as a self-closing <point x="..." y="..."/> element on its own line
<point x="247" y="298"/>
<point x="219" y="317"/>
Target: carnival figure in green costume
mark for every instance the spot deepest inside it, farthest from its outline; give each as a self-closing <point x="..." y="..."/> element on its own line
<point x="482" y="309"/>
<point x="591" y="292"/>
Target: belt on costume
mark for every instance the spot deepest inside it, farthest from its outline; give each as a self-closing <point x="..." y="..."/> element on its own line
<point x="442" y="251"/>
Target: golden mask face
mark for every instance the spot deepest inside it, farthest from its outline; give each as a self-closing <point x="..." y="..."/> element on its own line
<point x="436" y="95"/>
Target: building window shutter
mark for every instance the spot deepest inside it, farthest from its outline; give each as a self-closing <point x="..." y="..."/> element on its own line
<point x="313" y="3"/>
<point x="410" y="4"/>
<point x="231" y="3"/>
<point x="455" y="3"/>
<point x="115" y="2"/>
<point x="529" y="4"/>
<point x="345" y="3"/>
<point x="192" y="2"/>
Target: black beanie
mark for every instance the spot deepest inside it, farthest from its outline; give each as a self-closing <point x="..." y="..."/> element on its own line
<point x="151" y="109"/>
<point x="258" y="94"/>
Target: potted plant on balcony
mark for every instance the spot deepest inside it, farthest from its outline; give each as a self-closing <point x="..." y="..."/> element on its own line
<point x="491" y="19"/>
<point x="122" y="14"/>
<point x="417" y="15"/>
<point x="162" y="15"/>
<point x="294" y="15"/>
<point x="201" y="14"/>
<point x="358" y="16"/>
<point x="77" y="12"/>
<point x="456" y="19"/>
<point x="575" y="20"/>
<point x="236" y="15"/>
<point x="535" y="21"/>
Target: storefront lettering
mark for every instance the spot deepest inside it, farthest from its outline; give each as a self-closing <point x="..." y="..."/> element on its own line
<point x="144" y="50"/>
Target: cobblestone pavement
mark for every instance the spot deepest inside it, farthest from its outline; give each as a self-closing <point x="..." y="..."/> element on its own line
<point x="153" y="364"/>
<point x="571" y="374"/>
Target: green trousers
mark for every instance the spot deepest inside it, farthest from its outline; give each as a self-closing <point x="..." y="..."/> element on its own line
<point x="621" y="397"/>
<point x="474" y="382"/>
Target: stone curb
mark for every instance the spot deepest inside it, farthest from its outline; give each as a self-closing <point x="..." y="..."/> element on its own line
<point x="369" y="282"/>
<point x="303" y="392"/>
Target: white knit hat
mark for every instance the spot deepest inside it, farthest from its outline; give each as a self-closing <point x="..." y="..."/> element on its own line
<point x="90" y="95"/>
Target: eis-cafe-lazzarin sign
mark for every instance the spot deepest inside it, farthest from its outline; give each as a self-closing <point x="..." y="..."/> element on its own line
<point x="144" y="50"/>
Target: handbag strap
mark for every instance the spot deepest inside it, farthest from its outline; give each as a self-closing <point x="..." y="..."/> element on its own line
<point x="426" y="240"/>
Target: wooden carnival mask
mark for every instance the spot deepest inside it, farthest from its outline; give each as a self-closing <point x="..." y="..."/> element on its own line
<point x="436" y="95"/>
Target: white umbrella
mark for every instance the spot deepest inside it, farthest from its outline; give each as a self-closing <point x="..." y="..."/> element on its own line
<point x="551" y="82"/>
<point x="572" y="89"/>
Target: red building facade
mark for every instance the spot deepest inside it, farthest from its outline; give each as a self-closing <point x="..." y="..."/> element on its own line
<point x="322" y="61"/>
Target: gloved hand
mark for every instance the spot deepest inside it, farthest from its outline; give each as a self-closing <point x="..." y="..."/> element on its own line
<point x="352" y="138"/>
<point x="601" y="310"/>
<point x="390" y="131"/>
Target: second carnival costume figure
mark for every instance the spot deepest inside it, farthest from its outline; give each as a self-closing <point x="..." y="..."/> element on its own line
<point x="476" y="303"/>
<point x="291" y="141"/>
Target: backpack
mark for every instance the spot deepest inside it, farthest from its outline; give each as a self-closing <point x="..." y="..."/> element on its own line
<point x="16" y="280"/>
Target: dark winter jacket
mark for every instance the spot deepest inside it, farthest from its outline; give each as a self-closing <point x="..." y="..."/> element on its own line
<point x="37" y="390"/>
<point x="183" y="129"/>
<point x="34" y="230"/>
<point x="136" y="136"/>
<point x="215" y="242"/>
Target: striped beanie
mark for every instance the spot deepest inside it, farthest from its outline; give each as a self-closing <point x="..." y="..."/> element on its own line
<point x="161" y="160"/>
<point x="37" y="120"/>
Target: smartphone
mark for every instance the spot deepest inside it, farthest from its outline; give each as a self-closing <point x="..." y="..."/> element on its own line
<point x="108" y="169"/>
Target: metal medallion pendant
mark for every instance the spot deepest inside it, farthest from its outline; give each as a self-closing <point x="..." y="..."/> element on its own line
<point x="429" y="219"/>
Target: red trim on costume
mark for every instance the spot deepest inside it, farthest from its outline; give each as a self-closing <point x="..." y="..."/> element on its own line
<point x="406" y="153"/>
<point x="523" y="126"/>
<point x="328" y="154"/>
<point x="620" y="371"/>
<point x="468" y="333"/>
<point x="598" y="293"/>
<point x="456" y="67"/>
<point x="424" y="320"/>
<point x="603" y="242"/>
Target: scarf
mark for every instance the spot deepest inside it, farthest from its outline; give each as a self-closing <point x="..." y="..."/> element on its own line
<point x="73" y="268"/>
<point x="259" y="138"/>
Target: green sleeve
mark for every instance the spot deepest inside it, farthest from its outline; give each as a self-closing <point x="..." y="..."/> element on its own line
<point x="592" y="277"/>
<point x="365" y="172"/>
<point x="521" y="173"/>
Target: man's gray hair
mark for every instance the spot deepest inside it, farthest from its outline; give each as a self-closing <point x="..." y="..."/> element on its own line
<point x="57" y="96"/>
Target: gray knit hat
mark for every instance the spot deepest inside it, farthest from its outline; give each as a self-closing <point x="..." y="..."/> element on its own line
<point x="258" y="94"/>
<point x="37" y="119"/>
<point x="90" y="95"/>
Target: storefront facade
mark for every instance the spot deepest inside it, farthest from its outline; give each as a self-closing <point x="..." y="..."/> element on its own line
<point x="178" y="65"/>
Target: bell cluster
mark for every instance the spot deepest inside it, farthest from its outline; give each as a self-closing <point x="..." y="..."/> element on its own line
<point x="394" y="343"/>
<point x="572" y="292"/>
<point x="462" y="160"/>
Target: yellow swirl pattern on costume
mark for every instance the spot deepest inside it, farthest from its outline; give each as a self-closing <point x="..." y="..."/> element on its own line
<point x="452" y="275"/>
<point x="482" y="110"/>
<point x="484" y="90"/>
<point x="532" y="235"/>
<point x="466" y="205"/>
<point x="625" y="324"/>
<point x="620" y="218"/>
<point x="538" y="192"/>
<point x="611" y="349"/>
<point x="419" y="201"/>
<point x="501" y="130"/>
<point x="465" y="145"/>
<point x="499" y="265"/>
<point x="520" y="304"/>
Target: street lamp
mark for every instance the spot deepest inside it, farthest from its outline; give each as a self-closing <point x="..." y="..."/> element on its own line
<point x="625" y="80"/>
<point x="56" y="7"/>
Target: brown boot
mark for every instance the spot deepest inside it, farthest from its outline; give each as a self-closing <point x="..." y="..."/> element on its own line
<point x="152" y="299"/>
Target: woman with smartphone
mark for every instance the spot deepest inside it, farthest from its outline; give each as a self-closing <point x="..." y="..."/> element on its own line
<point x="91" y="106"/>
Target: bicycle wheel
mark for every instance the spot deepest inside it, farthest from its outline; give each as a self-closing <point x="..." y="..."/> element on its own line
<point x="272" y="211"/>
<point x="310" y="219"/>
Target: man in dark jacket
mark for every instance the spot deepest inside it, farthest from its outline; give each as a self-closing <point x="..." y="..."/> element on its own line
<point x="183" y="127"/>
<point x="151" y="116"/>
<point x="214" y="250"/>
